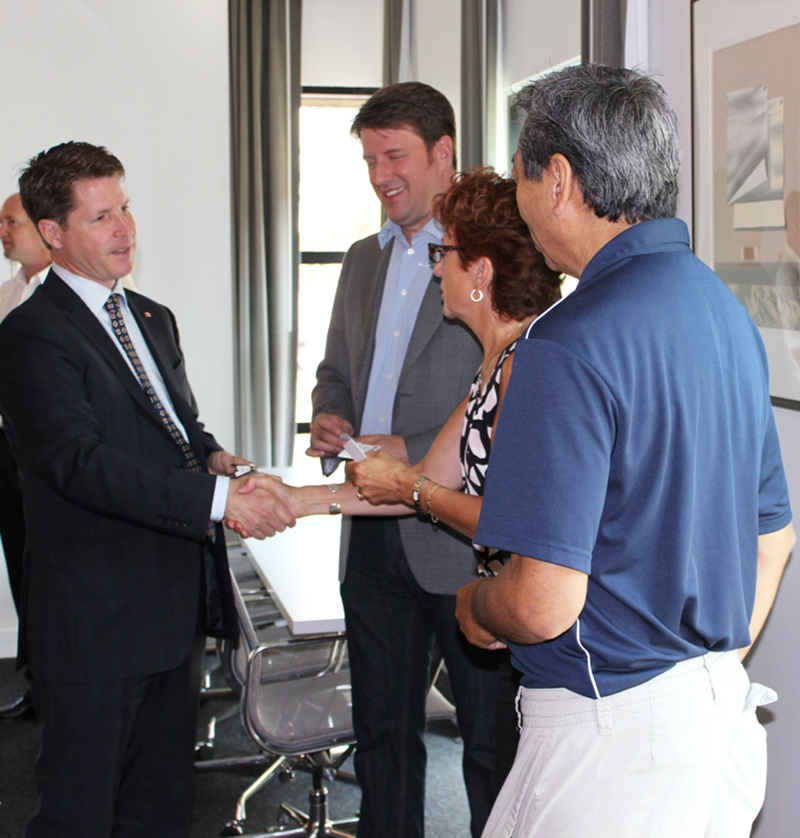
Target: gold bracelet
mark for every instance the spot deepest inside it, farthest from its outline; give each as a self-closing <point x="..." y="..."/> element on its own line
<point x="434" y="519"/>
<point x="415" y="491"/>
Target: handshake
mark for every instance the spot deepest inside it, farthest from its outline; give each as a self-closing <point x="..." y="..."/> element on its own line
<point x="258" y="505"/>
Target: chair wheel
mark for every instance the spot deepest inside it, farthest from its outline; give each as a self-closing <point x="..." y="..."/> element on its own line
<point x="203" y="751"/>
<point x="234" y="828"/>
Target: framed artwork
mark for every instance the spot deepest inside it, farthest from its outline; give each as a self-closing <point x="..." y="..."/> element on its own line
<point x="746" y="71"/>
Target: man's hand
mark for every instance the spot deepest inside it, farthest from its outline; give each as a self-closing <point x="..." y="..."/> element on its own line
<point x="255" y="511"/>
<point x="393" y="445"/>
<point x="326" y="433"/>
<point x="222" y="463"/>
<point x="467" y="607"/>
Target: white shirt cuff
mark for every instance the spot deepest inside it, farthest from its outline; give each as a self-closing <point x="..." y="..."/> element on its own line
<point x="220" y="498"/>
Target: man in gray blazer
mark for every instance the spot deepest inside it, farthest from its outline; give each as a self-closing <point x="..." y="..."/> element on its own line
<point x="393" y="372"/>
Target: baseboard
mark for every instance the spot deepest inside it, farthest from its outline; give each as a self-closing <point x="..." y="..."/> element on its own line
<point x="8" y="642"/>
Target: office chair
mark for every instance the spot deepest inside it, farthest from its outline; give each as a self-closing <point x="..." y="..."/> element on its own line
<point x="303" y="721"/>
<point x="260" y="623"/>
<point x="306" y="723"/>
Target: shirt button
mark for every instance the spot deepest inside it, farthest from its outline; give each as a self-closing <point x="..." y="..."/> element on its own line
<point x="410" y="251"/>
<point x="403" y="292"/>
<point x="397" y="334"/>
<point x="389" y="377"/>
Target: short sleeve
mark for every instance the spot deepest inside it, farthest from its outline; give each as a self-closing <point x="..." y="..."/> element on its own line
<point x="774" y="510"/>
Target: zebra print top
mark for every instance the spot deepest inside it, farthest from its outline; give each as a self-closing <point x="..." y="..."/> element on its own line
<point x="476" y="440"/>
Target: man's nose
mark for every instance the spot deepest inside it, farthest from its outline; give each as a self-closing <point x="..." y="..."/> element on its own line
<point x="382" y="173"/>
<point x="125" y="225"/>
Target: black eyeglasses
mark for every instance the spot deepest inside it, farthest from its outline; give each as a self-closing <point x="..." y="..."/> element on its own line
<point x="436" y="251"/>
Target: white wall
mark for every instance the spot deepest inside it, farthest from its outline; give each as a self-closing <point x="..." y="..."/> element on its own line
<point x="342" y="43"/>
<point x="148" y="79"/>
<point x="539" y="35"/>
<point x="8" y="615"/>
<point x="774" y="662"/>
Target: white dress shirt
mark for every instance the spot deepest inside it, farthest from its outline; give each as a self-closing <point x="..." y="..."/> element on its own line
<point x="17" y="289"/>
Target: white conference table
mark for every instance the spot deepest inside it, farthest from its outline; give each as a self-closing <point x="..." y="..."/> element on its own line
<point x="300" y="566"/>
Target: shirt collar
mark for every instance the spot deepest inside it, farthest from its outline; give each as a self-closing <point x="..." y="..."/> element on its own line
<point x="654" y="235"/>
<point x="432" y="232"/>
<point x="93" y="293"/>
<point x="20" y="277"/>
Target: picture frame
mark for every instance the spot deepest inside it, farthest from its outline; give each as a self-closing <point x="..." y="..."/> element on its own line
<point x="746" y="137"/>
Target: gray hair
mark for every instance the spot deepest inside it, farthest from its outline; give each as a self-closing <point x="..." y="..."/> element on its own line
<point x="618" y="132"/>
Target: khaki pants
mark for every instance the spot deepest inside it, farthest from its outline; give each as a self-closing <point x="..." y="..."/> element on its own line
<point x="681" y="756"/>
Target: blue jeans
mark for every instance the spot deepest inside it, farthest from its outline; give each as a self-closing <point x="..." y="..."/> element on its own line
<point x="392" y="624"/>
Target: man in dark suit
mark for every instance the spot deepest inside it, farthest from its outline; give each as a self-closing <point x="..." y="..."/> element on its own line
<point x="125" y="568"/>
<point x="394" y="370"/>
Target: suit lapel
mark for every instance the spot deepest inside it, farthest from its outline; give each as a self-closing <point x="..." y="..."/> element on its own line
<point x="370" y="311"/>
<point x="88" y="326"/>
<point x="90" y="329"/>
<point x="184" y="410"/>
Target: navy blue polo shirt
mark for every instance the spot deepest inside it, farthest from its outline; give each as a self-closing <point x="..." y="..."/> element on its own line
<point x="637" y="444"/>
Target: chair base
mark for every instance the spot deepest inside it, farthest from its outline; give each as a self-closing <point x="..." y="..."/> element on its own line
<point x="313" y="825"/>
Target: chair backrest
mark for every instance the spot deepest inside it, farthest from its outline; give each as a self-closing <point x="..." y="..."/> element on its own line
<point x="286" y="658"/>
<point x="301" y="716"/>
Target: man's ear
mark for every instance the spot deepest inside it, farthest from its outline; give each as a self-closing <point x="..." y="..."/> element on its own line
<point x="50" y="231"/>
<point x="443" y="149"/>
<point x="563" y="181"/>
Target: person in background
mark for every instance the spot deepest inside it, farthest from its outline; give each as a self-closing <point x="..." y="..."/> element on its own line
<point x="637" y="483"/>
<point x="21" y="244"/>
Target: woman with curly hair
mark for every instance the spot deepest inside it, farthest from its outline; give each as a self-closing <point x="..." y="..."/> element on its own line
<point x="496" y="282"/>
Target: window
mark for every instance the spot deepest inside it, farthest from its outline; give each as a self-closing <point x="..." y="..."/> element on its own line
<point x="337" y="207"/>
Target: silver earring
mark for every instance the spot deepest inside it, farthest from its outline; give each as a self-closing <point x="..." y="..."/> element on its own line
<point x="476" y="295"/>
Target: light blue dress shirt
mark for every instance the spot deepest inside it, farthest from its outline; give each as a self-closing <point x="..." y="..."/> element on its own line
<point x="94" y="295"/>
<point x="407" y="279"/>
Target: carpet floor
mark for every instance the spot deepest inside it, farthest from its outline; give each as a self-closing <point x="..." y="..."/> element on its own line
<point x="216" y="792"/>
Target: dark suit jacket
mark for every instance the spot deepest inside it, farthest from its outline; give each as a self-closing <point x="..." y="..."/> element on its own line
<point x="117" y="556"/>
<point x="440" y="364"/>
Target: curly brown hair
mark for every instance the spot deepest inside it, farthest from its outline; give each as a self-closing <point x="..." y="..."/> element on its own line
<point x="480" y="212"/>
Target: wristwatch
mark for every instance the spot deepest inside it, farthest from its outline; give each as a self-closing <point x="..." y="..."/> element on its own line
<point x="416" y="489"/>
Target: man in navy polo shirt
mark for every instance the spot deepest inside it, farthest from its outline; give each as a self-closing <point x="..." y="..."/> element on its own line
<point x="637" y="481"/>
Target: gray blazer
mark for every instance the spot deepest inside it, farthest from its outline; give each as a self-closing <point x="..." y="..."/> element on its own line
<point x="439" y="367"/>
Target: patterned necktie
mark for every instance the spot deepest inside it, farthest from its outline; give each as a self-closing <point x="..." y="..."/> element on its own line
<point x="112" y="306"/>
